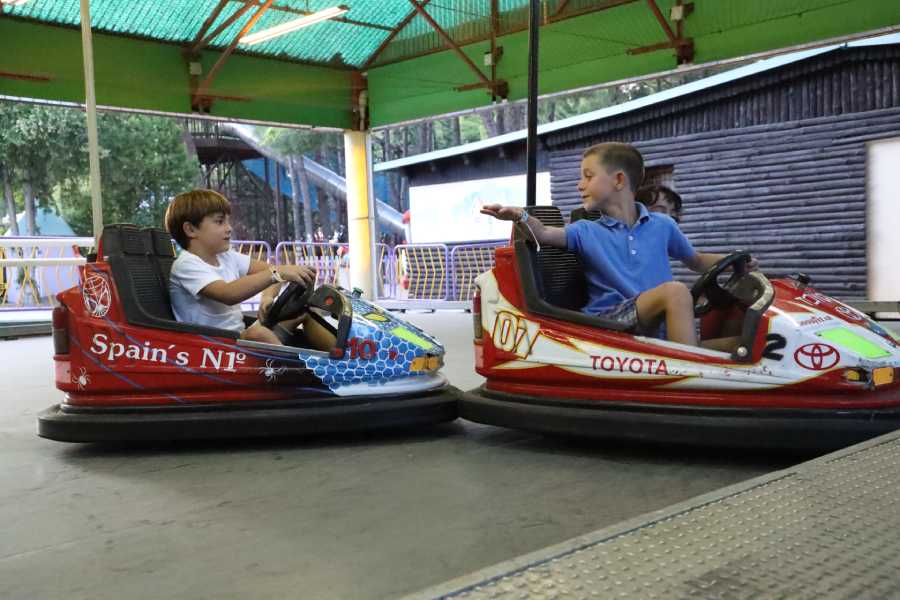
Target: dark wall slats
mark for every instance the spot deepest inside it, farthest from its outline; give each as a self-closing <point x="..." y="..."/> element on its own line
<point x="792" y="193"/>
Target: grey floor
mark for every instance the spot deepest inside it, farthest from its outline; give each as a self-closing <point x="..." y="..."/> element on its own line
<point x="360" y="516"/>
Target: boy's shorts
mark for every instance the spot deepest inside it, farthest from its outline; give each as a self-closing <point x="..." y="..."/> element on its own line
<point x="624" y="312"/>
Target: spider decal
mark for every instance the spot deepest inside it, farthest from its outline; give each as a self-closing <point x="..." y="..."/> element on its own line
<point x="82" y="380"/>
<point x="271" y="371"/>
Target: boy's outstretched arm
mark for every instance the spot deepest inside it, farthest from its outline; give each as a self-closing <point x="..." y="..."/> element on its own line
<point x="257" y="279"/>
<point x="551" y="236"/>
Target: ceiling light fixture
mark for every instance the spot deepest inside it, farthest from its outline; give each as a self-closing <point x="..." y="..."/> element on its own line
<point x="293" y="25"/>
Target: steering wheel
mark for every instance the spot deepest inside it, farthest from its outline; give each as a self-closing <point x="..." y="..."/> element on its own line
<point x="707" y="292"/>
<point x="291" y="303"/>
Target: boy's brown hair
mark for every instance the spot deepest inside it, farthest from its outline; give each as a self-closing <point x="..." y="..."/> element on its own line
<point x="617" y="156"/>
<point x="192" y="207"/>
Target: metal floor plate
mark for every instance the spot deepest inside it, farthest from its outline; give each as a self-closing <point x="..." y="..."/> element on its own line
<point x="828" y="528"/>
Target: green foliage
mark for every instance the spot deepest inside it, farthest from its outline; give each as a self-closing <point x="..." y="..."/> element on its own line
<point x="143" y="162"/>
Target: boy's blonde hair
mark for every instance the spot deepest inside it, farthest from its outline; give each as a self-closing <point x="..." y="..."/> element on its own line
<point x="192" y="207"/>
<point x="620" y="157"/>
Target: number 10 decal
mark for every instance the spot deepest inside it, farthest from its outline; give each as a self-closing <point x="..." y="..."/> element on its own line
<point x="515" y="335"/>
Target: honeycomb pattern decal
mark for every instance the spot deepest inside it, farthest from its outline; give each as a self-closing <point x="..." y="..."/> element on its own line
<point x="392" y="360"/>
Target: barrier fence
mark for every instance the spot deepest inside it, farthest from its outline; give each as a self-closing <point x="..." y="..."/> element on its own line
<point x="34" y="269"/>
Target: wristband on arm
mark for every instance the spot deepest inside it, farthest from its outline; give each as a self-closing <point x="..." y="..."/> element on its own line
<point x="276" y="276"/>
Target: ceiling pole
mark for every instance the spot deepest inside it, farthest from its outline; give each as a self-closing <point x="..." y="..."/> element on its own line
<point x="201" y="89"/>
<point x="90" y="101"/>
<point x="495" y="28"/>
<point x="534" y="21"/>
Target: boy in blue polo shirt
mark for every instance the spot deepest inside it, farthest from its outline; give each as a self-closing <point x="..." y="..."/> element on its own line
<point x="626" y="252"/>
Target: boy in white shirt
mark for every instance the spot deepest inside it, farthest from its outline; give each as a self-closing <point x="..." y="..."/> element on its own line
<point x="209" y="280"/>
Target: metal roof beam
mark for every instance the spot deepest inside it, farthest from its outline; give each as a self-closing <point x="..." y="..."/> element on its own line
<point x="199" y="100"/>
<point x="298" y="11"/>
<point x="494" y="86"/>
<point x="222" y="27"/>
<point x="195" y="45"/>
<point x="684" y="47"/>
<point x="392" y="35"/>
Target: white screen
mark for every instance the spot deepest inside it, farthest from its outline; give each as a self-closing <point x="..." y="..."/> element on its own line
<point x="449" y="212"/>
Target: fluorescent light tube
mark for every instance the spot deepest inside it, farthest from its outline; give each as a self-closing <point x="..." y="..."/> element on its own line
<point x="293" y="25"/>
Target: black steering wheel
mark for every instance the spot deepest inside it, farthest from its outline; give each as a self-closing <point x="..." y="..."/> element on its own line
<point x="707" y="292"/>
<point x="291" y="303"/>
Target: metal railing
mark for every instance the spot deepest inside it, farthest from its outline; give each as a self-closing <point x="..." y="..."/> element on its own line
<point x="33" y="269"/>
<point x="467" y="262"/>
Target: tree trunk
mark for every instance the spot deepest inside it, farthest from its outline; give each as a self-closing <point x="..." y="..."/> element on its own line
<point x="10" y="203"/>
<point x="31" y="225"/>
<point x="297" y="199"/>
<point x="394" y="185"/>
<point x="276" y="197"/>
<point x="325" y="203"/>
<point x="402" y="203"/>
<point x="307" y="199"/>
<point x="487" y="117"/>
<point x="455" y="133"/>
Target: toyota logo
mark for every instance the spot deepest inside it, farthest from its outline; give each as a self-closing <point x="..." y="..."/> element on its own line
<point x="817" y="357"/>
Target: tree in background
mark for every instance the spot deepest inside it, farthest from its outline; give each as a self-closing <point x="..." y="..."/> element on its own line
<point x="43" y="159"/>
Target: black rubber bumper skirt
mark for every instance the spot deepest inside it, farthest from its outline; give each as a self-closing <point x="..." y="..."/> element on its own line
<point x="697" y="425"/>
<point x="307" y="417"/>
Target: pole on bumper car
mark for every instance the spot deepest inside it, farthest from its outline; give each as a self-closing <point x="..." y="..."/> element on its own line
<point x="90" y="101"/>
<point x="534" y="17"/>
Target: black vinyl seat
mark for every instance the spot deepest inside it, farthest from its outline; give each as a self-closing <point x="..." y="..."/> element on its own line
<point x="141" y="261"/>
<point x="552" y="280"/>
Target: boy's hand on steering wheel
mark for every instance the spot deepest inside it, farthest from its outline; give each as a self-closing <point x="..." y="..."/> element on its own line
<point x="298" y="274"/>
<point x="504" y="213"/>
<point x="265" y="303"/>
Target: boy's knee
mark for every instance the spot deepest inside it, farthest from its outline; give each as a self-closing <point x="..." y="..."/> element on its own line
<point x="678" y="292"/>
<point x="677" y="289"/>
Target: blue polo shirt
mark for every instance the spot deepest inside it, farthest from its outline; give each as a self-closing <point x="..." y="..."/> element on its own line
<point x="621" y="262"/>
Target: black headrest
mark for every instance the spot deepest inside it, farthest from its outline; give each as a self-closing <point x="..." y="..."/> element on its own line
<point x="160" y="242"/>
<point x="548" y="215"/>
<point x="124" y="238"/>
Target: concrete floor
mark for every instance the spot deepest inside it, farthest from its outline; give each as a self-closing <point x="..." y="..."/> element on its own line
<point x="358" y="516"/>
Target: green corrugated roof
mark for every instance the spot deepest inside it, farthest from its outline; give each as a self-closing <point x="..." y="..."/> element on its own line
<point x="350" y="42"/>
<point x="139" y="63"/>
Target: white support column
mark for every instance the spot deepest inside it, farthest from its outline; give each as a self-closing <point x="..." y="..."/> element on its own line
<point x="90" y="101"/>
<point x="361" y="212"/>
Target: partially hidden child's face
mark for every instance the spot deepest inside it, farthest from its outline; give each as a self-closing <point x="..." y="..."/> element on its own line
<point x="663" y="206"/>
<point x="212" y="235"/>
<point x="597" y="185"/>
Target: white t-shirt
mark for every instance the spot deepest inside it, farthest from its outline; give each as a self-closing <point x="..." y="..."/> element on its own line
<point x="190" y="274"/>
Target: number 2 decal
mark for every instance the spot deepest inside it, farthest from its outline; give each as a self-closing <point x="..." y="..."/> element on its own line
<point x="774" y="343"/>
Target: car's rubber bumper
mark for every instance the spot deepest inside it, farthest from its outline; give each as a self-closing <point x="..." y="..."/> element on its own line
<point x="248" y="420"/>
<point x="697" y="425"/>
